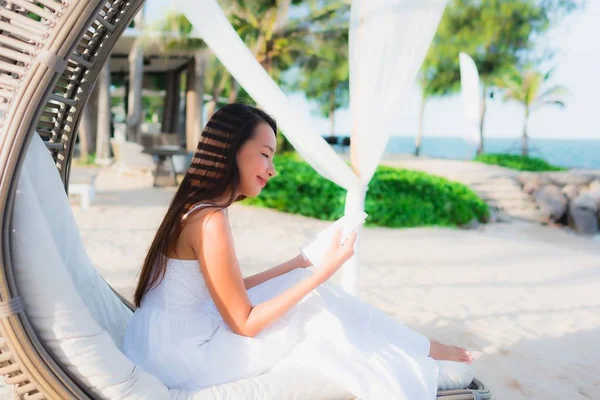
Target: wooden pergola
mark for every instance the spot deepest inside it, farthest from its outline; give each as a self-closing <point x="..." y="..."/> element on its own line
<point x="136" y="58"/>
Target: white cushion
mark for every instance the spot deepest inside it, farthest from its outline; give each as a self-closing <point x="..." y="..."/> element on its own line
<point x="50" y="268"/>
<point x="454" y="375"/>
<point x="288" y="384"/>
<point x="78" y="317"/>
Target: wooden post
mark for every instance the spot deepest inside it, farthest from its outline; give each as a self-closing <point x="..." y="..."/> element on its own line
<point x="171" y="106"/>
<point x="104" y="117"/>
<point x="136" y="75"/>
<point x="194" y="99"/>
<point x="85" y="132"/>
<point x="92" y="104"/>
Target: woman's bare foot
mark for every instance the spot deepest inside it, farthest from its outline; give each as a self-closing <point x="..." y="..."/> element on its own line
<point x="440" y="351"/>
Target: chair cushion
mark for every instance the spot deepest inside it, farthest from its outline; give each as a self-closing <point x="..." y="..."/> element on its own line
<point x="47" y="200"/>
<point x="73" y="310"/>
<point x="78" y="317"/>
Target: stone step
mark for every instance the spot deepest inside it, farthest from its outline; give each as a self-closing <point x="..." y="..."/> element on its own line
<point x="531" y="216"/>
<point x="503" y="195"/>
<point x="501" y="181"/>
<point x="516" y="204"/>
<point x="506" y="199"/>
<point x="489" y="186"/>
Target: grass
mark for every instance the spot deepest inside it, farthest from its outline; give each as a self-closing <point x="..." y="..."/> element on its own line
<point x="520" y="163"/>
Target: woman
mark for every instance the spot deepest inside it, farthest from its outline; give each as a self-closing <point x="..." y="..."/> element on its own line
<point x="200" y="324"/>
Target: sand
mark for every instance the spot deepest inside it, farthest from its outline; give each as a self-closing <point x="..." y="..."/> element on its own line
<point x="524" y="298"/>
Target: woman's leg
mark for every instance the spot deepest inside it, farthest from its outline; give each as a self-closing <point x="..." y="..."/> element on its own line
<point x="363" y="320"/>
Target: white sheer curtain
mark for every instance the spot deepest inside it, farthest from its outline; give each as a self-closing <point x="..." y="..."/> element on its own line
<point x="212" y="25"/>
<point x="388" y="41"/>
<point x="471" y="95"/>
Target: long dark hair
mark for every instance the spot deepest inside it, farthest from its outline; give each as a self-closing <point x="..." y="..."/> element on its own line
<point x="212" y="174"/>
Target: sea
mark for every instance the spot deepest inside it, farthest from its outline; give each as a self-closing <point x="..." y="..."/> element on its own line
<point x="570" y="153"/>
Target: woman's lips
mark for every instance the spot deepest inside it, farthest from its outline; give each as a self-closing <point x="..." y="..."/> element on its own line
<point x="263" y="183"/>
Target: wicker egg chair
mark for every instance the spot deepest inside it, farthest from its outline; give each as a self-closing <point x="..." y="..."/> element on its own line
<point x="51" y="53"/>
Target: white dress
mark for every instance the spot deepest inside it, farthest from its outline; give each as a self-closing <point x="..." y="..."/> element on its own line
<point x="178" y="335"/>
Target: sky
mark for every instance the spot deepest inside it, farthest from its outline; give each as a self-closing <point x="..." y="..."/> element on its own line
<point x="576" y="66"/>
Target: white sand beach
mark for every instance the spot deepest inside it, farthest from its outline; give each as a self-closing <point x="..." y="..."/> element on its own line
<point x="524" y="298"/>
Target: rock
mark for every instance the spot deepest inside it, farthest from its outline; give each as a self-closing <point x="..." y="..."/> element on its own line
<point x="525" y="177"/>
<point x="594" y="186"/>
<point x="586" y="201"/>
<point x="551" y="201"/>
<point x="531" y="187"/>
<point x="594" y="194"/>
<point x="583" y="220"/>
<point x="533" y="177"/>
<point x="568" y="178"/>
<point x="571" y="191"/>
<point x="473" y="224"/>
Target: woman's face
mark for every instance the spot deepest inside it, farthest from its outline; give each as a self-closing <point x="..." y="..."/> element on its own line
<point x="255" y="161"/>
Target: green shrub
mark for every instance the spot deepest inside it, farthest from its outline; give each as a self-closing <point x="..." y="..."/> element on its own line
<point x="86" y="161"/>
<point x="521" y="163"/>
<point x="396" y="198"/>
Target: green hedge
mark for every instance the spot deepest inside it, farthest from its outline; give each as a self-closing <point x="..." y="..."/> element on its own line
<point x="521" y="163"/>
<point x="396" y="198"/>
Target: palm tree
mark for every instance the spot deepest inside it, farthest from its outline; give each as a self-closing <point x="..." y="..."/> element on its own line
<point x="276" y="39"/>
<point x="527" y="87"/>
<point x="424" y="97"/>
<point x="324" y="75"/>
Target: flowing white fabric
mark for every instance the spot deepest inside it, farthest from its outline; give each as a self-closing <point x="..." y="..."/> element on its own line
<point x="179" y="336"/>
<point x="471" y="95"/>
<point x="212" y="25"/>
<point x="388" y="41"/>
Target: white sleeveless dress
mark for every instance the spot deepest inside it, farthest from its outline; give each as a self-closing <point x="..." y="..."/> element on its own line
<point x="178" y="335"/>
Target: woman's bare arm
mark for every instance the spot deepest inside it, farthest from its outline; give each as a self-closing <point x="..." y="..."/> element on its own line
<point x="284" y="268"/>
<point x="216" y="254"/>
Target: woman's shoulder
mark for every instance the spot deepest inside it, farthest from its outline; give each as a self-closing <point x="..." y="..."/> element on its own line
<point x="201" y="228"/>
<point x="208" y="219"/>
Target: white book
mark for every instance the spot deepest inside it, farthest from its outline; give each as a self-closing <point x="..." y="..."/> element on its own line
<point x="317" y="248"/>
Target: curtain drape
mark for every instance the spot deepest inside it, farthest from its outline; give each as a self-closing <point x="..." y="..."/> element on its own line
<point x="388" y="41"/>
<point x="471" y="96"/>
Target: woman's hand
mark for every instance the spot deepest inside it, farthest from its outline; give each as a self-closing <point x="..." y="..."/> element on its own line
<point x="337" y="254"/>
<point x="302" y="262"/>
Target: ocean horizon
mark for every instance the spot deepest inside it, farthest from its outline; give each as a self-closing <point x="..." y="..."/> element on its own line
<point x="569" y="153"/>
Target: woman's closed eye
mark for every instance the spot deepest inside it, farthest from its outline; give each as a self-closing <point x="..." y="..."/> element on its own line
<point x="266" y="155"/>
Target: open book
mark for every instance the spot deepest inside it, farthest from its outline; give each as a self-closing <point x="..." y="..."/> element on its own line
<point x="317" y="248"/>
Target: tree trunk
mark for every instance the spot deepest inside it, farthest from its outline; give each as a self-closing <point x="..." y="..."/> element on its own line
<point x="104" y="117"/>
<point x="211" y="106"/>
<point x="216" y="94"/>
<point x="195" y="100"/>
<point x="235" y="90"/>
<point x="332" y="113"/>
<point x="524" y="138"/>
<point x="481" y="147"/>
<point x="419" y="137"/>
<point x="281" y="20"/>
<point x="283" y="14"/>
